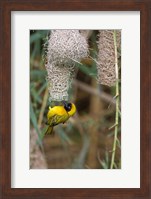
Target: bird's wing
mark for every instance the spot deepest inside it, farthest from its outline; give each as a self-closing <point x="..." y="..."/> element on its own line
<point x="56" y="119"/>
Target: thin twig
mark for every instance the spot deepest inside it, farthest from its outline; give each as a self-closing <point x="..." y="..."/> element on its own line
<point x="113" y="126"/>
<point x="93" y="91"/>
<point x="44" y="103"/>
<point x="94" y="60"/>
<point x="117" y="104"/>
<point x="76" y="61"/>
<point x="79" y="162"/>
<point x="112" y="100"/>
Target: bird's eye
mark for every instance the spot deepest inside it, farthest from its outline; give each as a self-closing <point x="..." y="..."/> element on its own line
<point x="69" y="107"/>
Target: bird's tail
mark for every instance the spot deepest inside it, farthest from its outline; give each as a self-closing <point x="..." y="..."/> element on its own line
<point x="49" y="131"/>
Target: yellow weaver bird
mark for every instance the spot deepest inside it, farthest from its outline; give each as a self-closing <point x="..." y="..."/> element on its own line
<point x="59" y="114"/>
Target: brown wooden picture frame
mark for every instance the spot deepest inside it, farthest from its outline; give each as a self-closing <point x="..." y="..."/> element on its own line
<point x="6" y="6"/>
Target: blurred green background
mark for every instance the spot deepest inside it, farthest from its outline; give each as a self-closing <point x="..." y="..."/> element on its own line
<point x="85" y="141"/>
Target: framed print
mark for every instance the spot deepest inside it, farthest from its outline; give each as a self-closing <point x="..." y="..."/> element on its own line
<point x="75" y="99"/>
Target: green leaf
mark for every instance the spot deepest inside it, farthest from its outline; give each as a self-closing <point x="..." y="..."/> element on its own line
<point x="35" y="95"/>
<point x="63" y="135"/>
<point x="42" y="88"/>
<point x="38" y="35"/>
<point x="104" y="165"/>
<point x="35" y="37"/>
<point x="37" y="75"/>
<point x="35" y="124"/>
<point x="87" y="70"/>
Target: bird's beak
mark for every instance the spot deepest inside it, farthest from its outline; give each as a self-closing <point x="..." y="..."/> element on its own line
<point x="64" y="103"/>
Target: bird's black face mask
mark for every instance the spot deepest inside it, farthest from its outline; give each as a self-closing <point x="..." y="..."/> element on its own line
<point x="67" y="106"/>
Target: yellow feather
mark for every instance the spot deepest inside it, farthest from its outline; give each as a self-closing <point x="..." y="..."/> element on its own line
<point x="73" y="110"/>
<point x="56" y="110"/>
<point x="49" y="130"/>
<point x="57" y="115"/>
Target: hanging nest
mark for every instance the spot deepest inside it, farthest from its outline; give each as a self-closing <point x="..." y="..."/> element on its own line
<point x="106" y="57"/>
<point x="65" y="48"/>
<point x="59" y="79"/>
